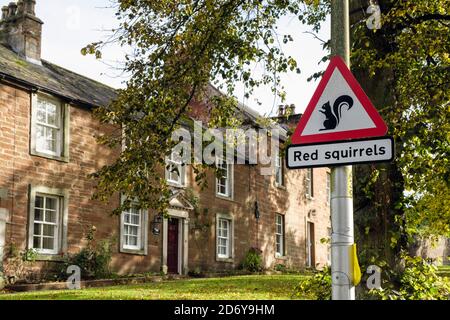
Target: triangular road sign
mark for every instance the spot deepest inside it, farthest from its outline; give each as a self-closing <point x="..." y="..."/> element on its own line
<point x="339" y="110"/>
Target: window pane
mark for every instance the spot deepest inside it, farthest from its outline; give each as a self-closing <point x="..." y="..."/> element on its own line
<point x="39" y="202"/>
<point x="134" y="231"/>
<point x="51" y="115"/>
<point x="135" y="219"/>
<point x="37" y="229"/>
<point x="40" y="114"/>
<point x="133" y="241"/>
<point x="49" y="230"/>
<point x="36" y="242"/>
<point x="38" y="215"/>
<point x="48" y="243"/>
<point x="51" y="139"/>
<point x="40" y="137"/>
<point x="50" y="216"/>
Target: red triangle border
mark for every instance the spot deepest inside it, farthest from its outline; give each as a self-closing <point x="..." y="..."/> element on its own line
<point x="380" y="126"/>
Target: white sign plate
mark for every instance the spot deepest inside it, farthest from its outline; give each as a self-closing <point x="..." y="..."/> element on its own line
<point x="340" y="153"/>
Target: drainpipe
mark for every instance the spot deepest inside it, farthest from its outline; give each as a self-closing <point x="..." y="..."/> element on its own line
<point x="3" y="219"/>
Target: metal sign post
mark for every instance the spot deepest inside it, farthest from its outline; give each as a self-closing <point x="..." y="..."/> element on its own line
<point x="341" y="177"/>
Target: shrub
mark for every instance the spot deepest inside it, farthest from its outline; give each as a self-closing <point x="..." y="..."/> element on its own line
<point x="281" y="268"/>
<point x="94" y="260"/>
<point x="253" y="260"/>
<point x="317" y="287"/>
<point x="416" y="280"/>
<point x="16" y="267"/>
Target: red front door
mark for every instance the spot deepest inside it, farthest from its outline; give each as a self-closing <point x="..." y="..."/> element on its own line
<point x="172" y="246"/>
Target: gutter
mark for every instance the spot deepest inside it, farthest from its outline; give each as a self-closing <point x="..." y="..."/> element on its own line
<point x="23" y="84"/>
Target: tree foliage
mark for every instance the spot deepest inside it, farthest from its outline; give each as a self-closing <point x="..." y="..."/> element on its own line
<point x="407" y="68"/>
<point x="179" y="47"/>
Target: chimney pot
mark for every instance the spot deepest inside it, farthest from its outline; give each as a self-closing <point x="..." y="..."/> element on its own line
<point x="20" y="7"/>
<point x="291" y="109"/>
<point x="12" y="7"/>
<point x="5" y="13"/>
<point x="281" y="110"/>
<point x="29" y="7"/>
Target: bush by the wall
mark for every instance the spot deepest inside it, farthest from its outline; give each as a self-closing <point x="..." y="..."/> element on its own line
<point x="253" y="260"/>
<point x="94" y="260"/>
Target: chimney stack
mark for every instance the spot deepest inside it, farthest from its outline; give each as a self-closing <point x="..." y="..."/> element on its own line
<point x="12" y="9"/>
<point x="281" y="110"/>
<point x="290" y="110"/>
<point x="21" y="30"/>
<point x="4" y="13"/>
<point x="286" y="110"/>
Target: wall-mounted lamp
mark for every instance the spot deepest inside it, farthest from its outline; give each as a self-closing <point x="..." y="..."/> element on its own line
<point x="156" y="224"/>
<point x="257" y="213"/>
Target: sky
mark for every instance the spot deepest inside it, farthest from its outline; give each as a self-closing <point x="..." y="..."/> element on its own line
<point x="69" y="25"/>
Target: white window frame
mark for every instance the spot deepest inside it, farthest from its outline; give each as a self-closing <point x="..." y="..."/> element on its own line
<point x="44" y="209"/>
<point x="60" y="241"/>
<point x="309" y="181"/>
<point x="229" y="256"/>
<point x="229" y="179"/>
<point x="170" y="164"/>
<point x="280" y="235"/>
<point x="141" y="248"/>
<point x="279" y="171"/>
<point x="62" y="137"/>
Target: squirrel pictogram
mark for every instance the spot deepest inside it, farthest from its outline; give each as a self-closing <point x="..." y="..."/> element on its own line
<point x="334" y="115"/>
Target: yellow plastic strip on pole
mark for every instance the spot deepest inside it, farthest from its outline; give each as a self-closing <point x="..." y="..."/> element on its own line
<point x="355" y="265"/>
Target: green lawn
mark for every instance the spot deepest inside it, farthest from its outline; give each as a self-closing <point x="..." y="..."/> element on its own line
<point x="255" y="287"/>
<point x="444" y="271"/>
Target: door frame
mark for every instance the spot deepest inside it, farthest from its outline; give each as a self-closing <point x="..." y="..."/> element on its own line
<point x="183" y="238"/>
<point x="310" y="249"/>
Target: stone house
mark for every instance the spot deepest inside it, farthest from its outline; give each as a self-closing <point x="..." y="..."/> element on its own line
<point x="48" y="149"/>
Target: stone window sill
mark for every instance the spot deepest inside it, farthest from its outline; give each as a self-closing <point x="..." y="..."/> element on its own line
<point x="230" y="199"/>
<point x="226" y="260"/>
<point x="134" y="252"/>
<point x="281" y="187"/>
<point x="49" y="156"/>
<point x="176" y="185"/>
<point x="50" y="257"/>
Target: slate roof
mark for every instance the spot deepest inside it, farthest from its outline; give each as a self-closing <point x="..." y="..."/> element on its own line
<point x="54" y="79"/>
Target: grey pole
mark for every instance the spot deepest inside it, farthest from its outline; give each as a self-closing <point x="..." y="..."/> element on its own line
<point x="341" y="177"/>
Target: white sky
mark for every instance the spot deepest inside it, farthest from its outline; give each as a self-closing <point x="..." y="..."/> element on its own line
<point x="71" y="24"/>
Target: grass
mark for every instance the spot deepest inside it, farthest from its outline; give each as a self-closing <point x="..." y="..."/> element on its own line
<point x="254" y="287"/>
<point x="444" y="271"/>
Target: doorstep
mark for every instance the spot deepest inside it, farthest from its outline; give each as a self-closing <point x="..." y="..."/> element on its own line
<point x="91" y="283"/>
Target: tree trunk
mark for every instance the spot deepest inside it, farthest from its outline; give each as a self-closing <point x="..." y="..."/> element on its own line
<point x="378" y="188"/>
